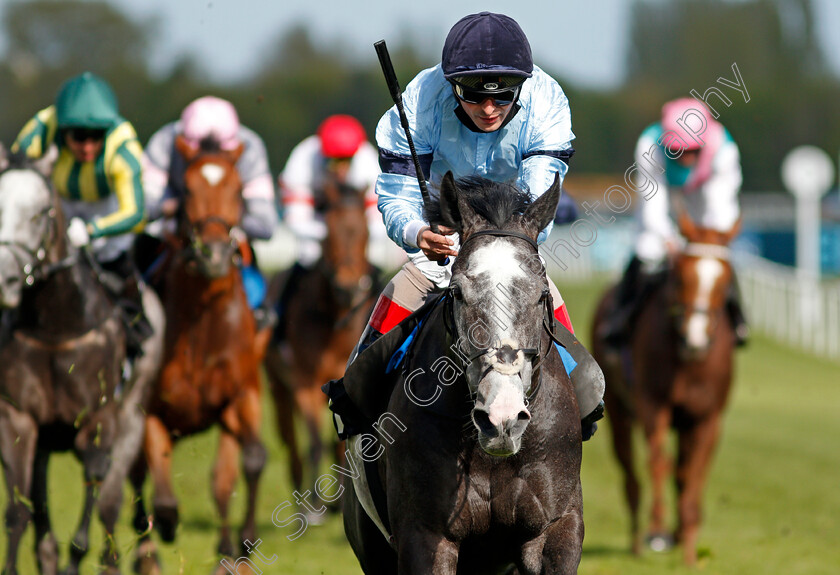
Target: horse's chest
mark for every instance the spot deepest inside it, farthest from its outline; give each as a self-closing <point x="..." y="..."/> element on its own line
<point x="498" y="503"/>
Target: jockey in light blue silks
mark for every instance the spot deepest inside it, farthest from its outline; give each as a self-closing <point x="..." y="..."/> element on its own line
<point x="485" y="110"/>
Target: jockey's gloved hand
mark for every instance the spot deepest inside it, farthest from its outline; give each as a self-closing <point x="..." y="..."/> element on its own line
<point x="77" y="233"/>
<point x="238" y="235"/>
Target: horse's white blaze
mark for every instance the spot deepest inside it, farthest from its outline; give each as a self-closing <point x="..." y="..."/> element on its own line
<point x="213" y="173"/>
<point x="708" y="272"/>
<point x="499" y="261"/>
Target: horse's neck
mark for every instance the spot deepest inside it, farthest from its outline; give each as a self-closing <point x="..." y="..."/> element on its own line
<point x="67" y="303"/>
<point x="192" y="295"/>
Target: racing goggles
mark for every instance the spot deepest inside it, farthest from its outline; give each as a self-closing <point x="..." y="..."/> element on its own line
<point x="500" y="97"/>
<point x="85" y="134"/>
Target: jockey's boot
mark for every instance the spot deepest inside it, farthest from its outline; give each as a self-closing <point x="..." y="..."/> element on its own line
<point x="369" y="336"/>
<point x="587" y="379"/>
<point x="614" y="330"/>
<point x="735" y="309"/>
<point x="632" y="291"/>
<point x="293" y="276"/>
<point x="122" y="280"/>
<point x="265" y="316"/>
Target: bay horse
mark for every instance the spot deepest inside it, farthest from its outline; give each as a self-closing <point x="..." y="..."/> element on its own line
<point x="675" y="372"/>
<point x="62" y="349"/>
<point x="479" y="463"/>
<point x="210" y="373"/>
<point x="323" y="320"/>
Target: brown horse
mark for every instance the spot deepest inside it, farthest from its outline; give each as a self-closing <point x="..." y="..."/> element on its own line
<point x="323" y="320"/>
<point x="210" y="373"/>
<point x="675" y="372"/>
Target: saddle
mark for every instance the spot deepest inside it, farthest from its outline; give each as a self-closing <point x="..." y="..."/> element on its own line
<point x="362" y="395"/>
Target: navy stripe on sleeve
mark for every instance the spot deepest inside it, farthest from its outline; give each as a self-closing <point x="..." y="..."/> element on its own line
<point x="564" y="155"/>
<point x="392" y="163"/>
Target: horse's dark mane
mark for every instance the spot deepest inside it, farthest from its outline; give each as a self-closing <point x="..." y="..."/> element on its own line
<point x="209" y="144"/>
<point x="494" y="201"/>
<point x="18" y="161"/>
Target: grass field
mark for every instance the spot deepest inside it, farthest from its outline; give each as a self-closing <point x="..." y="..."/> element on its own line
<point x="772" y="505"/>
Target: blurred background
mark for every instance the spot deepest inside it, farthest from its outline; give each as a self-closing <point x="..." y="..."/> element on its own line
<point x="286" y="65"/>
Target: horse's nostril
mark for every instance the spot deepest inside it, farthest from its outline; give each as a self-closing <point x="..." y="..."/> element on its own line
<point x="482" y="421"/>
<point x="524" y="416"/>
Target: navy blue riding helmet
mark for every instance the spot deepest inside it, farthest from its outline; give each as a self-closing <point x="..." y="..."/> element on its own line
<point x="487" y="55"/>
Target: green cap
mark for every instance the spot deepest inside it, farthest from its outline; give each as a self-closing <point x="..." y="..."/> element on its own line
<point x="86" y="101"/>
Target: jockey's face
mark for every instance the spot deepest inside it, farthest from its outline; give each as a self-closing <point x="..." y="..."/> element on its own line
<point x="688" y="158"/>
<point x="85" y="145"/>
<point x="487" y="115"/>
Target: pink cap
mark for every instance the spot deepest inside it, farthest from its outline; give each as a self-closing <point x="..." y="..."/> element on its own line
<point x="211" y="117"/>
<point x="694" y="124"/>
<point x="687" y="112"/>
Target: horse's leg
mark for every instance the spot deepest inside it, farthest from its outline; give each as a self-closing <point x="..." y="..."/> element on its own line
<point x="18" y="438"/>
<point x="562" y="548"/>
<point x="243" y="419"/>
<point x="158" y="448"/>
<point x="46" y="547"/>
<point x="284" y="410"/>
<point x="93" y="446"/>
<point x="621" y="424"/>
<point x="125" y="452"/>
<point x="311" y="403"/>
<point x="696" y="446"/>
<point x="657" y="423"/>
<point x="225" y="474"/>
<point x="421" y="552"/>
<point x="145" y="559"/>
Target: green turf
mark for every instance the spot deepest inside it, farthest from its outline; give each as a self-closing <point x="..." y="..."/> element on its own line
<point x="771" y="507"/>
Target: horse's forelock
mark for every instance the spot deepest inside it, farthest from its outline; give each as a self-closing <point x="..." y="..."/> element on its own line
<point x="19" y="161"/>
<point x="497" y="203"/>
<point x="209" y="144"/>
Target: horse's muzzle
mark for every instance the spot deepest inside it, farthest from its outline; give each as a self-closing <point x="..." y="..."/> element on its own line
<point x="500" y="414"/>
<point x="214" y="259"/>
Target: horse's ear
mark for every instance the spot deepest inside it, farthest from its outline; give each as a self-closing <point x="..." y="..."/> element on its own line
<point x="540" y="213"/>
<point x="45" y="163"/>
<point x="450" y="213"/>
<point x="188" y="152"/>
<point x="235" y="153"/>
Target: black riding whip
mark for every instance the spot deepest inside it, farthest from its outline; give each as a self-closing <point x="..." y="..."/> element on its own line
<point x="396" y="95"/>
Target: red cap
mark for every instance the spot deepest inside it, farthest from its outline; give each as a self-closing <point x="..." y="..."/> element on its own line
<point x="341" y="136"/>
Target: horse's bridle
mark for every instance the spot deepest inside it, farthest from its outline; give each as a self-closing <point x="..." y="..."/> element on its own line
<point x="36" y="268"/>
<point x="193" y="229"/>
<point x="533" y="355"/>
<point x="701" y="250"/>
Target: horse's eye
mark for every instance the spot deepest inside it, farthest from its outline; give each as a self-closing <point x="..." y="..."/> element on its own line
<point x="456" y="293"/>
